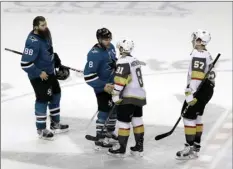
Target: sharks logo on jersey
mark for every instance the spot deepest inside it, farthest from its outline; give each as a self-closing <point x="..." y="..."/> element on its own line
<point x="112" y="65"/>
<point x="112" y="62"/>
<point x="33" y="39"/>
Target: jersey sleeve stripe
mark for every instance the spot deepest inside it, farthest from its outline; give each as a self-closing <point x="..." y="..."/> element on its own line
<point x="89" y="75"/>
<point x="118" y="87"/>
<point x="92" y="79"/>
<point x="197" y="75"/>
<point x="23" y="62"/>
<point x="119" y="84"/>
<point x="27" y="65"/>
<point x="120" y="81"/>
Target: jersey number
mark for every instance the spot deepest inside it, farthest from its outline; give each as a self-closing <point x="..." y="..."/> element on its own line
<point x="90" y="64"/>
<point x="139" y="75"/>
<point x="119" y="70"/>
<point x="198" y="64"/>
<point x="28" y="51"/>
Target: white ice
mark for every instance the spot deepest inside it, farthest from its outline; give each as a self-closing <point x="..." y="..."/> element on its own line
<point x="165" y="39"/>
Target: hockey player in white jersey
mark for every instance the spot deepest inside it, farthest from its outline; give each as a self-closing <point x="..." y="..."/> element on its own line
<point x="199" y="66"/>
<point x="130" y="96"/>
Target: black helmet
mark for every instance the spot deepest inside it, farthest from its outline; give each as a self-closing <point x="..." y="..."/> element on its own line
<point x="103" y="33"/>
<point x="62" y="73"/>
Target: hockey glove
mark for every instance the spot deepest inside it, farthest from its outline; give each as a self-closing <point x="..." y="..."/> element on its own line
<point x="189" y="98"/>
<point x="116" y="99"/>
<point x="212" y="75"/>
<point x="57" y="61"/>
<point x="108" y="88"/>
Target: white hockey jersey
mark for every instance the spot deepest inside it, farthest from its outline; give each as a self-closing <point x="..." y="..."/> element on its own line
<point x="129" y="77"/>
<point x="199" y="66"/>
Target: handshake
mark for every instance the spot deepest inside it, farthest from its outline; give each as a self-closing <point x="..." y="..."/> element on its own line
<point x="109" y="88"/>
<point x="115" y="94"/>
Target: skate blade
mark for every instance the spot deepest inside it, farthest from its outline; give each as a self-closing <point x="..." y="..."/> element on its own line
<point x="46" y="138"/>
<point x="117" y="155"/>
<point x="59" y="131"/>
<point x="137" y="154"/>
<point x="112" y="141"/>
<point x="100" y="148"/>
<point x="190" y="157"/>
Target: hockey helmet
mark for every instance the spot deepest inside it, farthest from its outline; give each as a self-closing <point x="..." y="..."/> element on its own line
<point x="62" y="73"/>
<point x="203" y="35"/>
<point x="125" y="46"/>
<point x="103" y="33"/>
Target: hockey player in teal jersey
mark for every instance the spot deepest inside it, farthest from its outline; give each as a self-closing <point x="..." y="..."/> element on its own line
<point x="39" y="62"/>
<point x="99" y="74"/>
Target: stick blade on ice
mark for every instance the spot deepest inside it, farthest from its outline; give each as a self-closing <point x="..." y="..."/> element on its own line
<point x="91" y="138"/>
<point x="161" y="136"/>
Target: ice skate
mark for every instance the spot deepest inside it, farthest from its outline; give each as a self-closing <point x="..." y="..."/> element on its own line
<point x="45" y="134"/>
<point x="137" y="150"/>
<point x="187" y="153"/>
<point x="102" y="143"/>
<point x="59" y="128"/>
<point x="117" y="151"/>
<point x="113" y="138"/>
<point x="196" y="149"/>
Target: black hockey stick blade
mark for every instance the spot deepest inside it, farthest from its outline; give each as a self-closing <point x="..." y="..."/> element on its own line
<point x="91" y="138"/>
<point x="161" y="136"/>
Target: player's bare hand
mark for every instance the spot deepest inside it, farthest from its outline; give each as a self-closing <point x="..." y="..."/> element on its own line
<point x="108" y="88"/>
<point x="43" y="76"/>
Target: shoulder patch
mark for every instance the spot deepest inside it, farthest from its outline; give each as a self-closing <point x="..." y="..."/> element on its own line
<point x="33" y="39"/>
<point x="94" y="50"/>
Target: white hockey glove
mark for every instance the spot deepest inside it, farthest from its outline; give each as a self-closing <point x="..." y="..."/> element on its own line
<point x="189" y="97"/>
<point x="115" y="97"/>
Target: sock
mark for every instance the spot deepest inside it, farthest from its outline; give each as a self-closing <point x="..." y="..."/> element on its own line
<point x="123" y="136"/>
<point x="102" y="117"/>
<point x="112" y="122"/>
<point x="41" y="115"/>
<point x="54" y="108"/>
<point x="139" y="134"/>
<point x="190" y="131"/>
<point x="138" y="129"/>
<point x="199" y="129"/>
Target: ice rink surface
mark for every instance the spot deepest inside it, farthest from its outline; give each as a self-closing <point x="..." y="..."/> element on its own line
<point x="161" y="32"/>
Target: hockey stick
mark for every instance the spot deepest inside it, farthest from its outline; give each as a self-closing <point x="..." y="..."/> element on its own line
<point x="161" y="136"/>
<point x="91" y="120"/>
<point x="14" y="51"/>
<point x="94" y="138"/>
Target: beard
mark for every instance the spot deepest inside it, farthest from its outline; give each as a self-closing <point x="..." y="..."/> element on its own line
<point x="45" y="33"/>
